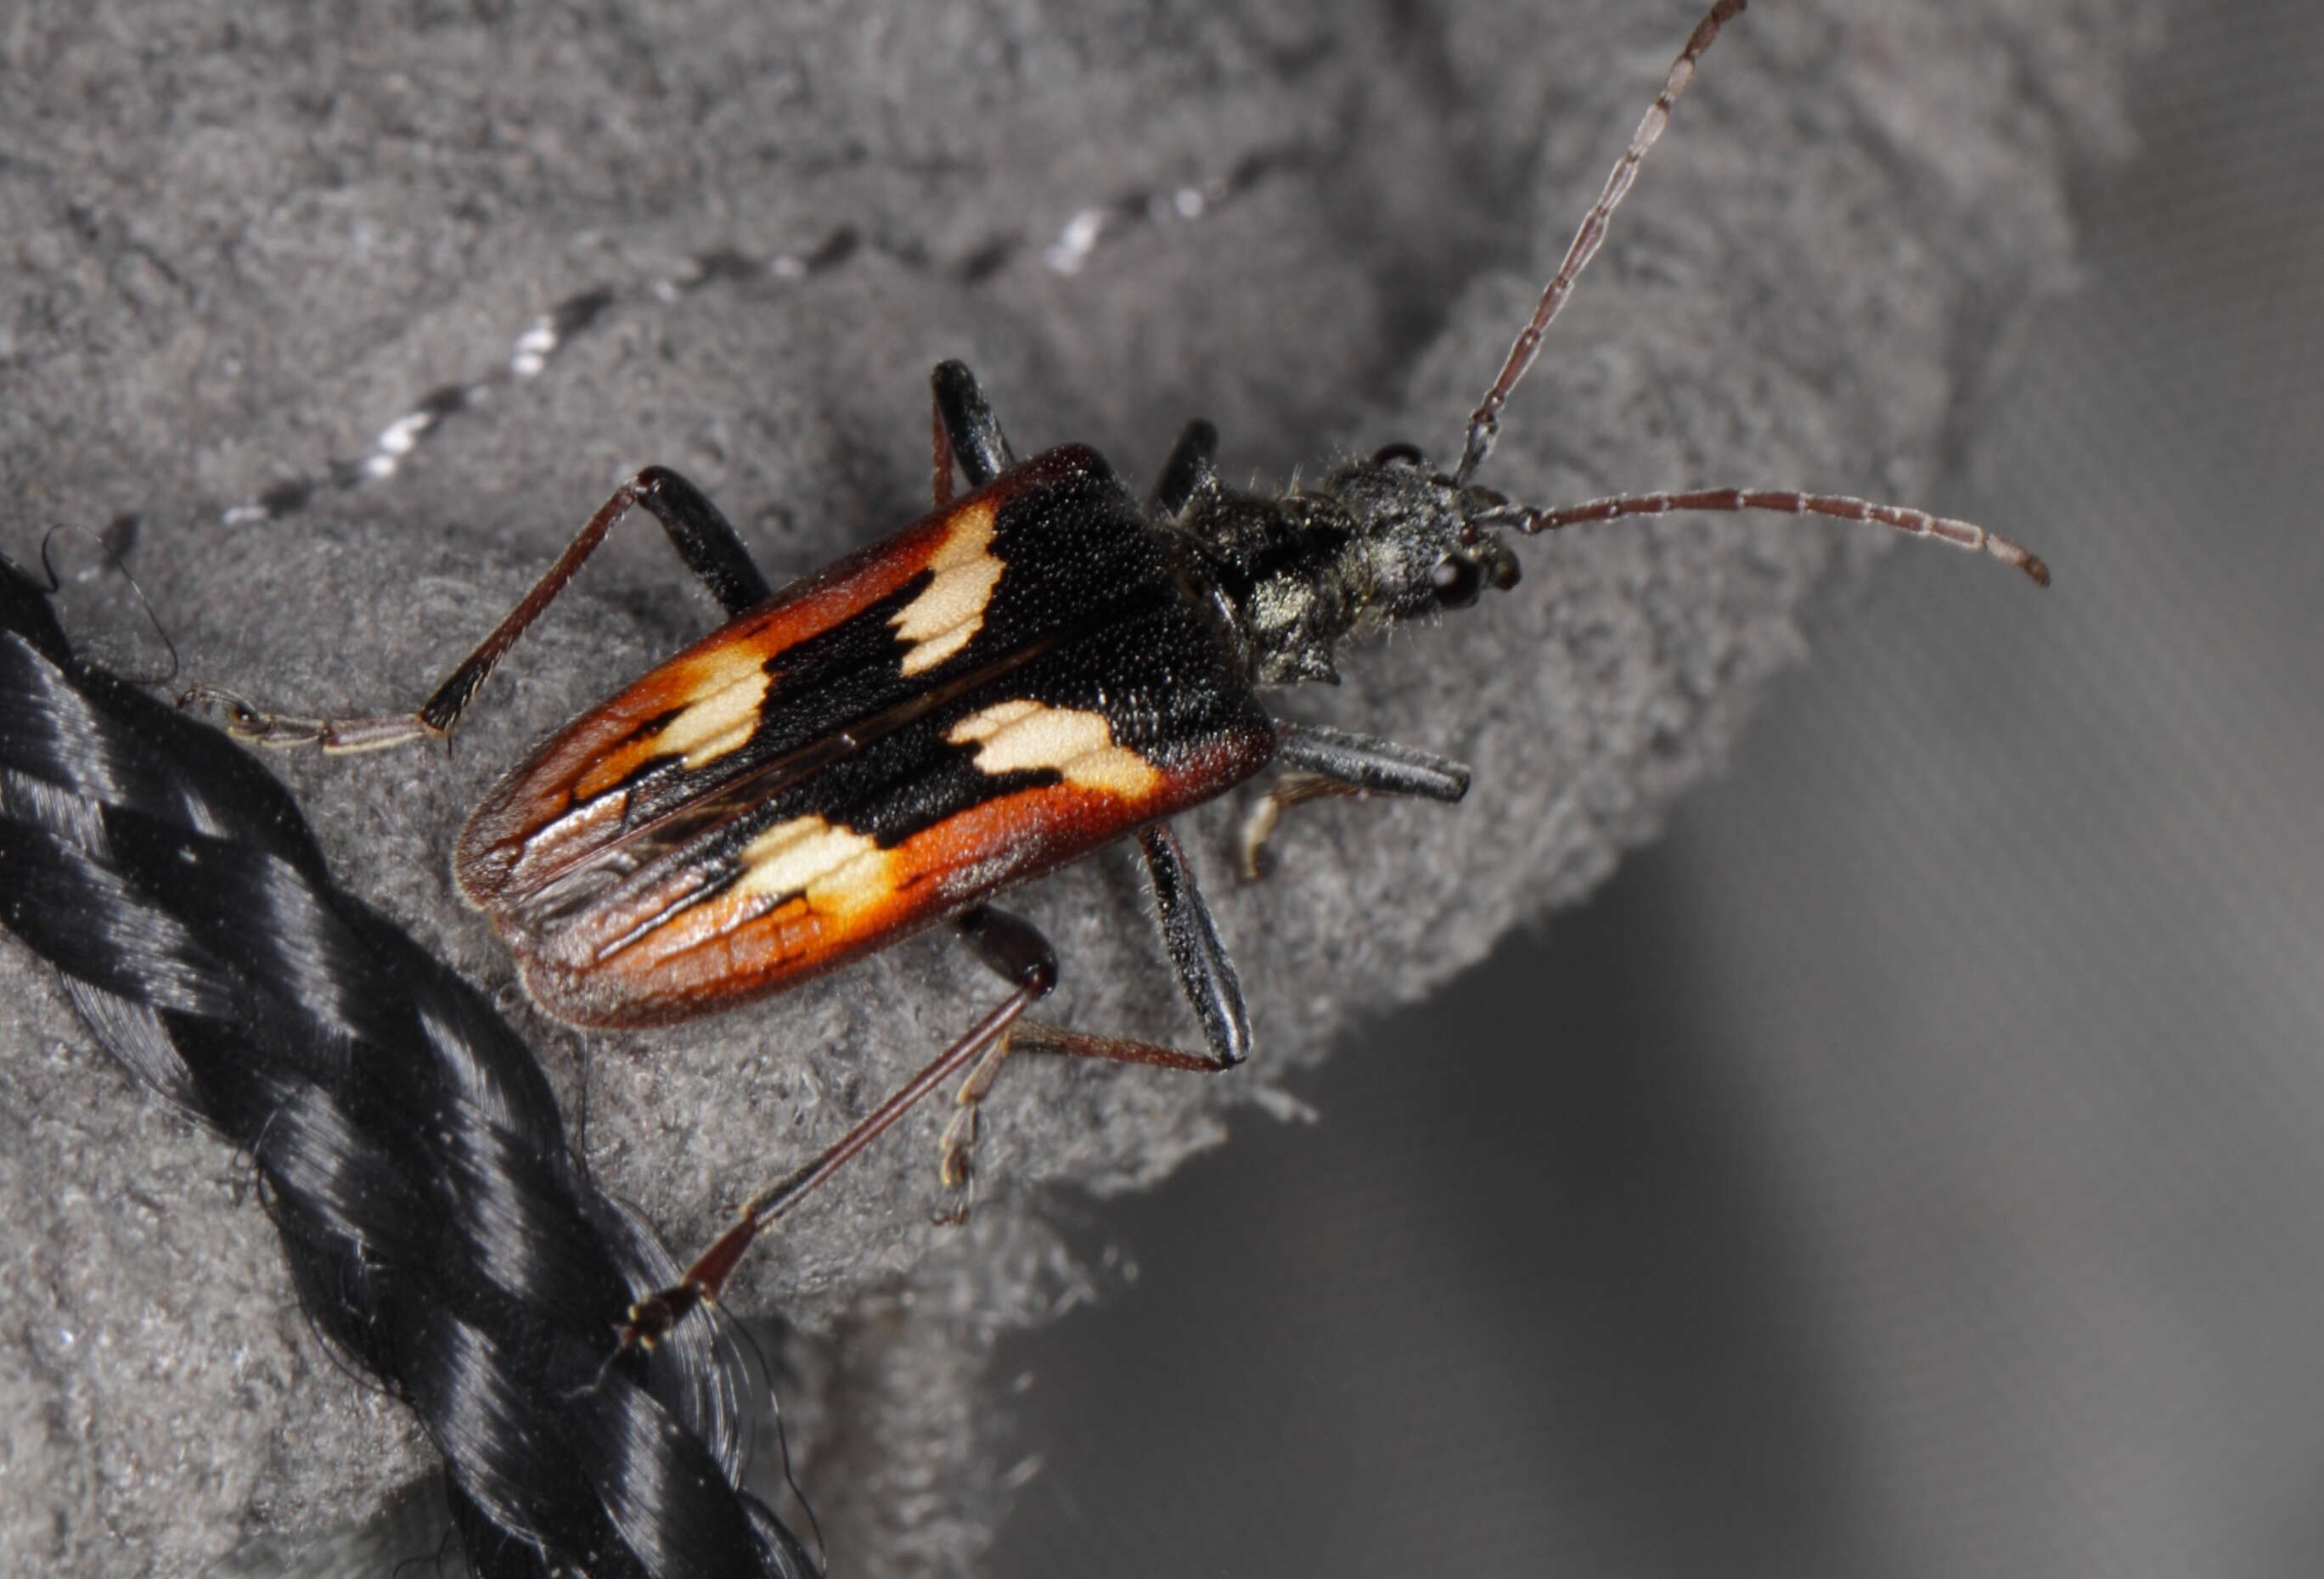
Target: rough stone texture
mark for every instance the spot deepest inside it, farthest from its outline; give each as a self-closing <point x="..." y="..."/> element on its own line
<point x="245" y="240"/>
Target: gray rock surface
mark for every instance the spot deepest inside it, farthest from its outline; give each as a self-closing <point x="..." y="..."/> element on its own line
<point x="246" y="241"/>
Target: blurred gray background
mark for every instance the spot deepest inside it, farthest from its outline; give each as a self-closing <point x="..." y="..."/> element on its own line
<point x="1904" y="1168"/>
<point x="1913" y="1165"/>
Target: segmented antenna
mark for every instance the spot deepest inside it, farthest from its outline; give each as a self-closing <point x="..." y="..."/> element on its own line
<point x="1485" y="422"/>
<point x="1919" y="523"/>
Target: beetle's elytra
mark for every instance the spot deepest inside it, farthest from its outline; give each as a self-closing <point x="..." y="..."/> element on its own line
<point x="1042" y="665"/>
<point x="995" y="690"/>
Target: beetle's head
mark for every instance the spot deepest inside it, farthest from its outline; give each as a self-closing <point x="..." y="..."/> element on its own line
<point x="1421" y="543"/>
<point x="1376" y="542"/>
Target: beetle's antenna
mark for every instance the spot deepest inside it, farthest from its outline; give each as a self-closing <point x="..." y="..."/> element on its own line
<point x="1919" y="523"/>
<point x="1485" y="422"/>
<point x="113" y="557"/>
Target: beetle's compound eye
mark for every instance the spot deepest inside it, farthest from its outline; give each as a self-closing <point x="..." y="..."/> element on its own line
<point x="1399" y="455"/>
<point x="1456" y="582"/>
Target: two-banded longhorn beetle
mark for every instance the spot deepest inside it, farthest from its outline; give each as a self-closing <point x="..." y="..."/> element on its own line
<point x="1037" y="667"/>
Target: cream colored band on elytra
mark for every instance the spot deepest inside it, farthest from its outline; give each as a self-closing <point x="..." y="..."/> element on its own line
<point x="950" y="610"/>
<point x="838" y="869"/>
<point x="723" y="717"/>
<point x="1011" y="737"/>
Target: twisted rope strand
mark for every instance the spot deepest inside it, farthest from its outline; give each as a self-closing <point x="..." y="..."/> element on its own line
<point x="414" y="1158"/>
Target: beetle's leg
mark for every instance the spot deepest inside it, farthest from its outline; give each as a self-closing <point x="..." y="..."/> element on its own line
<point x="939" y="453"/>
<point x="704" y="538"/>
<point x="1366" y="763"/>
<point x="1033" y="973"/>
<point x="1333" y="762"/>
<point x="1287" y="790"/>
<point x="1193" y="466"/>
<point x="1004" y="942"/>
<point x="1206" y="976"/>
<point x="972" y="431"/>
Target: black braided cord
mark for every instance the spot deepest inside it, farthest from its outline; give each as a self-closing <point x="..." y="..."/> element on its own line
<point x="410" y="1149"/>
